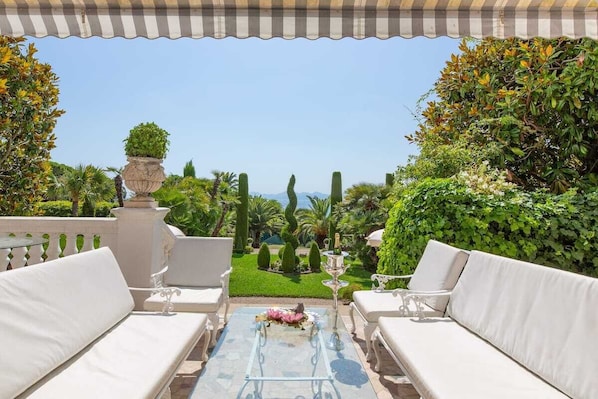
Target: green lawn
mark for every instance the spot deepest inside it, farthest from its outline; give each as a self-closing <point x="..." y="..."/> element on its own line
<point x="247" y="280"/>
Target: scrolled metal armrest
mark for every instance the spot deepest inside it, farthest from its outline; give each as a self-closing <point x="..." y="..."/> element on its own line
<point x="418" y="298"/>
<point x="383" y="279"/>
<point x="157" y="279"/>
<point x="165" y="292"/>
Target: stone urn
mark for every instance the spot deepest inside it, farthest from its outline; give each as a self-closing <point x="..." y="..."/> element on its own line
<point x="143" y="176"/>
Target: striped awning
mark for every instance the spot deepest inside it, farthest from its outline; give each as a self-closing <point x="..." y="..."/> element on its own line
<point x="299" y="18"/>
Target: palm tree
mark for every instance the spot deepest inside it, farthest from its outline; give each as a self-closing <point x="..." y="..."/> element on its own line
<point x="118" y="184"/>
<point x="224" y="195"/>
<point x="316" y="219"/>
<point x="264" y="216"/>
<point x="75" y="183"/>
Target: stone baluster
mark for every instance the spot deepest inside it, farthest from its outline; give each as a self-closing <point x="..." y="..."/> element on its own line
<point x="87" y="242"/>
<point x="53" y="250"/>
<point x="71" y="244"/>
<point x="35" y="253"/>
<point x="4" y="259"/>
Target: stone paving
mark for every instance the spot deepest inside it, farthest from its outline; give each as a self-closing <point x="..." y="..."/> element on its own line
<point x="387" y="384"/>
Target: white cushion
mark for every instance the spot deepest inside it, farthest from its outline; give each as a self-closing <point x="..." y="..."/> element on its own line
<point x="192" y="299"/>
<point x="136" y="359"/>
<point x="445" y="360"/>
<point x="53" y="310"/>
<point x="373" y="304"/>
<point x="198" y="261"/>
<point x="438" y="269"/>
<point x="544" y="318"/>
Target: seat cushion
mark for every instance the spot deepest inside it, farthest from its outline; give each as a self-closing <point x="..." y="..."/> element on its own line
<point x="135" y="359"/>
<point x="373" y="304"/>
<point x="438" y="269"/>
<point x="444" y="360"/>
<point x="542" y="317"/>
<point x="192" y="299"/>
<point x="53" y="310"/>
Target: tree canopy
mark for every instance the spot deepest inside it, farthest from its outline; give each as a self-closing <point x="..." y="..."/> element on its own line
<point x="529" y="107"/>
<point x="28" y="114"/>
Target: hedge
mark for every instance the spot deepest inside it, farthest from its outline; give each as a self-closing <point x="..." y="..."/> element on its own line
<point x="553" y="230"/>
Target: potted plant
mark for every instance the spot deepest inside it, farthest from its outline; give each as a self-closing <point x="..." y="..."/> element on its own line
<point x="145" y="147"/>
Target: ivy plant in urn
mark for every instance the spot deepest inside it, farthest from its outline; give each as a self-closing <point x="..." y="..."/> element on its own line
<point x="145" y="147"/>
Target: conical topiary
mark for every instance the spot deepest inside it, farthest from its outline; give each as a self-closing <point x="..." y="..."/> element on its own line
<point x="288" y="259"/>
<point x="263" y="257"/>
<point x="315" y="260"/>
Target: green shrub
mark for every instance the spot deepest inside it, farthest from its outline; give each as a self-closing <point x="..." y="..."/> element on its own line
<point x="315" y="259"/>
<point x="288" y="259"/>
<point x="263" y="257"/>
<point x="103" y="208"/>
<point x="87" y="210"/>
<point x="346" y="294"/>
<point x="55" y="208"/>
<point x="147" y="140"/>
<point x="553" y="230"/>
<point x="280" y="252"/>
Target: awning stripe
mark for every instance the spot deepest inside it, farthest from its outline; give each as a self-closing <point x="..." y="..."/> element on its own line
<point x="299" y="18"/>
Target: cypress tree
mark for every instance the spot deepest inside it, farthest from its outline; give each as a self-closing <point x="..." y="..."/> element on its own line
<point x="263" y="257"/>
<point x="390" y="179"/>
<point x="242" y="227"/>
<point x="315" y="260"/>
<point x="336" y="196"/>
<point x="189" y="169"/>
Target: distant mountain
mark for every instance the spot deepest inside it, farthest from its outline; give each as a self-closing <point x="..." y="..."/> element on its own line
<point x="302" y="200"/>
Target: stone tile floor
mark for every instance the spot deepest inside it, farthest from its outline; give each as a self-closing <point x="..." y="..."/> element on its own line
<point x="387" y="384"/>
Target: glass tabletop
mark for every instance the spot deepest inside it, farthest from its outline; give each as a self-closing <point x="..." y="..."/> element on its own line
<point x="18" y="242"/>
<point x="285" y="362"/>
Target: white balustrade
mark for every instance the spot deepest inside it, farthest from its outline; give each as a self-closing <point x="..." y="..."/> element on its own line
<point x="138" y="237"/>
<point x="53" y="229"/>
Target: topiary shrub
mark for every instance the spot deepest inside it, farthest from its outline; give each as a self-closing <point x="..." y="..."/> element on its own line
<point x="55" y="208"/>
<point x="553" y="230"/>
<point x="263" y="257"/>
<point x="315" y="259"/>
<point x="147" y="140"/>
<point x="288" y="259"/>
<point x="288" y="233"/>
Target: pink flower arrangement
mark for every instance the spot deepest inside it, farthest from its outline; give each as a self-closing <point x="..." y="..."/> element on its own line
<point x="290" y="317"/>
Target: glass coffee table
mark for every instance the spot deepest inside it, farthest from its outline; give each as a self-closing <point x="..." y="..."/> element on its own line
<point x="253" y="361"/>
<point x="286" y="354"/>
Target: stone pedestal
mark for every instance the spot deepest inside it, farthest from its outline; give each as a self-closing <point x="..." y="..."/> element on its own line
<point x="142" y="246"/>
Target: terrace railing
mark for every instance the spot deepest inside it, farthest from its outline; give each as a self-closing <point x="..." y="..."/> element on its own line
<point x="138" y="237"/>
<point x="65" y="236"/>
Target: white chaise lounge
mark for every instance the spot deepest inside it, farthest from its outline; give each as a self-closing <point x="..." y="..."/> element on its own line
<point x="68" y="330"/>
<point x="514" y="330"/>
<point x="200" y="267"/>
<point x="437" y="270"/>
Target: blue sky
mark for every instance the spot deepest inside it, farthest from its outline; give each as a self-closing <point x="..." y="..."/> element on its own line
<point x="269" y="108"/>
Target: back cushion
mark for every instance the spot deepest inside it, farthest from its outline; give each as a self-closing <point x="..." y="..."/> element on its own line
<point x="546" y="319"/>
<point x="50" y="311"/>
<point x="199" y="261"/>
<point x="438" y="269"/>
